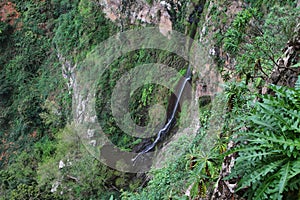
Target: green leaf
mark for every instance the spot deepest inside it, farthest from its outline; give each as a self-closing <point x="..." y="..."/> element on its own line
<point x="260" y="192"/>
<point x="260" y="122"/>
<point x="284" y="176"/>
<point x="296" y="65"/>
<point x="259" y="174"/>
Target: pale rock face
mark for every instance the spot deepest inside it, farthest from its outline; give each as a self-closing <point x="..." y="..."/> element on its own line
<point x="212" y="52"/>
<point x="67" y="71"/>
<point x="111" y="8"/>
<point x="93" y="143"/>
<point x="61" y="164"/>
<point x="165" y="25"/>
<point x="139" y="12"/>
<point x="167" y="5"/>
<point x="55" y="186"/>
<point x="90" y="133"/>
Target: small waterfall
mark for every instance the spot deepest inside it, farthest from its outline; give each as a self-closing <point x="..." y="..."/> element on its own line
<point x="171" y="120"/>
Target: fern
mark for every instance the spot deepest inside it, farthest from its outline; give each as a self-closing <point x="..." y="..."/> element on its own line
<point x="259" y="173"/>
<point x="261" y="191"/>
<point x="269" y="158"/>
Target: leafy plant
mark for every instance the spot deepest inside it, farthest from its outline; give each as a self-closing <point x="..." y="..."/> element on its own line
<point x="167" y="183"/>
<point x="204" y="169"/>
<point x="297" y="84"/>
<point x="269" y="157"/>
<point x="255" y="40"/>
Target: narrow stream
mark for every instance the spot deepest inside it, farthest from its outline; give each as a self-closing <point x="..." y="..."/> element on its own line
<point x="171" y="120"/>
<point x="193" y="20"/>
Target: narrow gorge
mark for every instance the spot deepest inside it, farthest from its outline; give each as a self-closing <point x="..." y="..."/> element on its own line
<point x="150" y="99"/>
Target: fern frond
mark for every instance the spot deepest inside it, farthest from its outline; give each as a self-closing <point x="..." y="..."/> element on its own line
<point x="297" y="84"/>
<point x="262" y="191"/>
<point x="259" y="174"/>
<point x="260" y="122"/>
<point x="295" y="168"/>
<point x="284" y="172"/>
<point x="294" y="183"/>
<point x="254" y="156"/>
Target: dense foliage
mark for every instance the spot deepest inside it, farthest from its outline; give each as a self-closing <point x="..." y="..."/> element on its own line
<point x="35" y="101"/>
<point x="268" y="159"/>
<point x="42" y="158"/>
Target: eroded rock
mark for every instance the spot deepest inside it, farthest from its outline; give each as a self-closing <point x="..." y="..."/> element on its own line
<point x="138" y="13"/>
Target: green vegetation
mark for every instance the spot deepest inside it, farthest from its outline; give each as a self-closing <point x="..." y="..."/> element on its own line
<point x="256" y="45"/>
<point x="267" y="165"/>
<point x="41" y="157"/>
<point x="35" y="102"/>
<point x="268" y="159"/>
<point x="141" y="99"/>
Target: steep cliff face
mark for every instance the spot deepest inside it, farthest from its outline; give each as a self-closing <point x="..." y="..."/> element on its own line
<point x="140" y="12"/>
<point x="206" y="78"/>
<point x="58" y="53"/>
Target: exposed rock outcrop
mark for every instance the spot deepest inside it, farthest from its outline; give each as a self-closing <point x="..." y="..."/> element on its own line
<point x="138" y="12"/>
<point x="8" y="12"/>
<point x="284" y="73"/>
